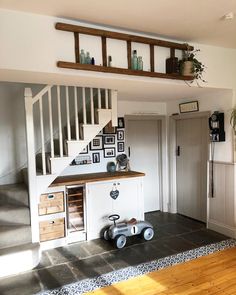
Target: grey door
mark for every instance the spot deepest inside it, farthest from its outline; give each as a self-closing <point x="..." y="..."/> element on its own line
<point x="191" y="166"/>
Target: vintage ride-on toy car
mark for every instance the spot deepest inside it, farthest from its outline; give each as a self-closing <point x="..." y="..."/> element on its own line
<point x="119" y="232"/>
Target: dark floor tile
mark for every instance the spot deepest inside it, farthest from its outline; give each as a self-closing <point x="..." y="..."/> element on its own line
<point x="162" y="248"/>
<point x="90" y="267"/>
<point x="175" y="229"/>
<point x="56" y="276"/>
<point x="97" y="246"/>
<point x="160" y="218"/>
<point x="44" y="261"/>
<point x="67" y="253"/>
<point x="203" y="237"/>
<point x="147" y="252"/>
<point x="26" y="284"/>
<point x="178" y="244"/>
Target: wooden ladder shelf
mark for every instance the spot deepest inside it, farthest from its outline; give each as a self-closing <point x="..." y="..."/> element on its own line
<point x="119" y="36"/>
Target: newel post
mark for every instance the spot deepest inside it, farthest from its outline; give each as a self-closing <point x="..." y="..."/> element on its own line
<point x="114" y="94"/>
<point x="32" y="186"/>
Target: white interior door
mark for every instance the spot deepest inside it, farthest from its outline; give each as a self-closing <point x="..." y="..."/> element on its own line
<point x="143" y="140"/>
<point x="191" y="167"/>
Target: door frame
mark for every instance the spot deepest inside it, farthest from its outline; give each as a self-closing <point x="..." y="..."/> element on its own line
<point x="172" y="157"/>
<point x="162" y="157"/>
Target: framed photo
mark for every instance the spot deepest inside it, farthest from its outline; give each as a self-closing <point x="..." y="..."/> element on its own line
<point x="109" y="139"/>
<point x="120" y="135"/>
<point x="96" y="157"/>
<point x="121" y="122"/>
<point x="109" y="129"/>
<point x="85" y="150"/>
<point x="120" y="146"/>
<point x="109" y="152"/>
<point x="96" y="143"/>
<point x="189" y="107"/>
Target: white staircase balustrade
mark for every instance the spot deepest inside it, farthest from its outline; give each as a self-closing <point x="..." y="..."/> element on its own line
<point x="60" y="123"/>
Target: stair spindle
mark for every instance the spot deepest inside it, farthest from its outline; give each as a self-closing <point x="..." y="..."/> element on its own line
<point x="42" y="135"/>
<point x="106" y="98"/>
<point x="50" y="122"/>
<point x="99" y="98"/>
<point x="92" y="105"/>
<point x="76" y="114"/>
<point x="84" y="106"/>
<point x="59" y="120"/>
<point x="68" y="114"/>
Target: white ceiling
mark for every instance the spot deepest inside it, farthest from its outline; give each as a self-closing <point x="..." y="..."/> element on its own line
<point x="185" y="20"/>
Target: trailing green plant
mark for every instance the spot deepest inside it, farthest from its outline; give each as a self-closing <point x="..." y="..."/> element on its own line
<point x="198" y="67"/>
<point x="233" y="120"/>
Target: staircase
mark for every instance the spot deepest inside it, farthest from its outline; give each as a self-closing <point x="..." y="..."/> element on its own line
<point x="15" y="231"/>
<point x="62" y="120"/>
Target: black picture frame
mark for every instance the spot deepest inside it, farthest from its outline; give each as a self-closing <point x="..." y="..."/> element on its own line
<point x="109" y="140"/>
<point x="121" y="122"/>
<point x="96" y="158"/>
<point x="120" y="146"/>
<point x="189" y="107"/>
<point x="97" y="143"/>
<point x="85" y="150"/>
<point x="109" y="152"/>
<point x="120" y="135"/>
<point x="109" y="129"/>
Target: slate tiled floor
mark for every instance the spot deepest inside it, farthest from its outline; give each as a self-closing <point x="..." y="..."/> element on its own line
<point x="64" y="265"/>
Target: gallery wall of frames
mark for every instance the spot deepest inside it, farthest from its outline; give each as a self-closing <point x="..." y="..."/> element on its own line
<point x="104" y="148"/>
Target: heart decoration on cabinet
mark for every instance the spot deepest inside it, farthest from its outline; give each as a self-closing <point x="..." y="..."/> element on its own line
<point x="114" y="194"/>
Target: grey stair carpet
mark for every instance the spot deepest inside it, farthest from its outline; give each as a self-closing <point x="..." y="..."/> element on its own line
<point x="14" y="214"/>
<point x="15" y="194"/>
<point x="14" y="235"/>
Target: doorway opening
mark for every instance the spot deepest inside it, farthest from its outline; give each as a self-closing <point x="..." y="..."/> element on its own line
<point x="145" y="142"/>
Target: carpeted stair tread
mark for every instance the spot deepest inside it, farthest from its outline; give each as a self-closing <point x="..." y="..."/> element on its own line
<point x="14" y="235"/>
<point x="14" y="214"/>
<point x="16" y="194"/>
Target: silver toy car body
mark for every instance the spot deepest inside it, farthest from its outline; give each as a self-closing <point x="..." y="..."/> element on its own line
<point x="119" y="232"/>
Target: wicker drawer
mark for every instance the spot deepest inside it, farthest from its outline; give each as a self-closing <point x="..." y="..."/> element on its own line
<point x="52" y="229"/>
<point x="51" y="203"/>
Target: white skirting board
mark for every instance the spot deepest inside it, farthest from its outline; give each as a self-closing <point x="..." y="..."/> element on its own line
<point x="222" y="228"/>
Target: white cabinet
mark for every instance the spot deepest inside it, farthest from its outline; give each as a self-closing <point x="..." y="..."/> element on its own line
<point x="100" y="204"/>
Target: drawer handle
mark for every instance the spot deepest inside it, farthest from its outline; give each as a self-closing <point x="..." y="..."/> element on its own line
<point x="50" y="196"/>
<point x="52" y="222"/>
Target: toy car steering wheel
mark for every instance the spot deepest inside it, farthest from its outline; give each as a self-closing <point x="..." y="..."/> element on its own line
<point x="114" y="218"/>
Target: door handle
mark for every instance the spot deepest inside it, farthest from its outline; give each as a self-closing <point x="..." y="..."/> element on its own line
<point x="129" y="151"/>
<point x="178" y="151"/>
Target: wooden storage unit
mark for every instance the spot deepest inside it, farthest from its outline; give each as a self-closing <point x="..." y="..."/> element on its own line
<point x="75" y="208"/>
<point x="52" y="229"/>
<point x="51" y="203"/>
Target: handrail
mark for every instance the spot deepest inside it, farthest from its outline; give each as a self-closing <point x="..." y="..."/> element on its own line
<point x="41" y="93"/>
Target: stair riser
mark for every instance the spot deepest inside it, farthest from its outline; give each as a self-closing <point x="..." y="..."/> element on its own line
<point x="14" y="198"/>
<point x="17" y="216"/>
<point x="15" y="236"/>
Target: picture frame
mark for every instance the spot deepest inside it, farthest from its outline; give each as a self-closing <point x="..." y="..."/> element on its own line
<point x="120" y="146"/>
<point x="120" y="135"/>
<point x="109" y="129"/>
<point x="109" y="140"/>
<point x="96" y="157"/>
<point x="189" y="107"/>
<point x="85" y="150"/>
<point x="97" y="143"/>
<point x="121" y="122"/>
<point x="109" y="152"/>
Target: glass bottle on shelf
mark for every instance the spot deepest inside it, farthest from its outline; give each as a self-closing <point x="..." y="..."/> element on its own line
<point x="134" y="61"/>
<point x="82" y="57"/>
<point x="88" y="58"/>
<point x="140" y="63"/>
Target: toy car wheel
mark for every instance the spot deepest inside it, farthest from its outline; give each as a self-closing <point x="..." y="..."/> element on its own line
<point x="106" y="235"/>
<point x="120" y="241"/>
<point x="148" y="233"/>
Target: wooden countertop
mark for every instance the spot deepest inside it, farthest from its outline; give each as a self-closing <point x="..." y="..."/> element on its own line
<point x="93" y="177"/>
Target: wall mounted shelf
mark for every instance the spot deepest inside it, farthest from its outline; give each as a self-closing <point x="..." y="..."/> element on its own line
<point x="119" y="36"/>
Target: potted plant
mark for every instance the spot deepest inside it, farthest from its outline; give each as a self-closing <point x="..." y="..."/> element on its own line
<point x="190" y="65"/>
